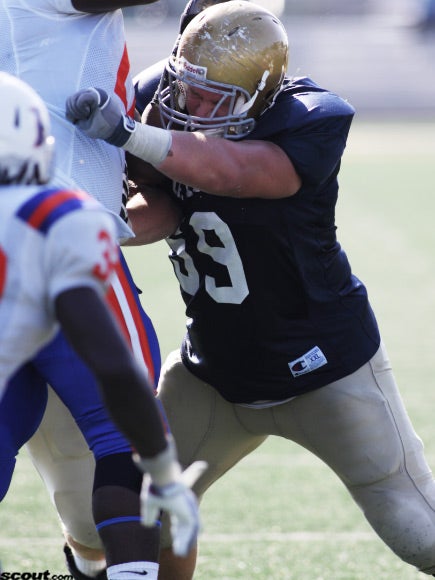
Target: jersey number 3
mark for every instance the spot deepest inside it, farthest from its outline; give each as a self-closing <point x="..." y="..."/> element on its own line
<point x="225" y="254"/>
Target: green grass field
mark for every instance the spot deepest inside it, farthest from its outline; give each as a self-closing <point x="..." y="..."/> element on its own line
<point x="281" y="514"/>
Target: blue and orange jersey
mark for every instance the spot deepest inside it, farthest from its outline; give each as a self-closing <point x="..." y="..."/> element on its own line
<point x="48" y="206"/>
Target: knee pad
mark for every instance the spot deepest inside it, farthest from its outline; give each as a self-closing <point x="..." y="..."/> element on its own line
<point x="118" y="469"/>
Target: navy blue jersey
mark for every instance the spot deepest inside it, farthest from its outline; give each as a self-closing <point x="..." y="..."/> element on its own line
<point x="273" y="307"/>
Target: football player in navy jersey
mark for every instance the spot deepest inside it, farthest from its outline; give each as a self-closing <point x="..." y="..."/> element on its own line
<point x="281" y="338"/>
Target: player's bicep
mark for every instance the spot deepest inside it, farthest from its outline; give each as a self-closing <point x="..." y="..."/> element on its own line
<point x="259" y="169"/>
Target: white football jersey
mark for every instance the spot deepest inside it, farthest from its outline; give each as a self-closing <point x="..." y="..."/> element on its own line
<point x="51" y="240"/>
<point x="58" y="50"/>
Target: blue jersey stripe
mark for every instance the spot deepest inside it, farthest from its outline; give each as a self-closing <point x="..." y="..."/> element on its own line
<point x="48" y="206"/>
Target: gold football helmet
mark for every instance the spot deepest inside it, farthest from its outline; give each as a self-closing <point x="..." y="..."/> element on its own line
<point x="235" y="49"/>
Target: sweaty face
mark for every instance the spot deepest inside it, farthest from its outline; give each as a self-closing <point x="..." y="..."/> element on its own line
<point x="190" y="101"/>
<point x="205" y="103"/>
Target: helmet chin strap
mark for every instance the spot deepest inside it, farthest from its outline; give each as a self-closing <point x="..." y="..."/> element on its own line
<point x="241" y="108"/>
<point x="215" y="132"/>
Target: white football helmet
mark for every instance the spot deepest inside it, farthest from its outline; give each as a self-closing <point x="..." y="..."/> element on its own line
<point x="26" y="146"/>
<point x="236" y="50"/>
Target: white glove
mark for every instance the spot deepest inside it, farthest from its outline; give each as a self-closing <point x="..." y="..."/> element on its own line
<point x="179" y="501"/>
<point x="165" y="488"/>
<point x="99" y="117"/>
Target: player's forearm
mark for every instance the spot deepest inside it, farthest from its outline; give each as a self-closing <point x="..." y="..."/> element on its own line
<point x="152" y="217"/>
<point x="208" y="163"/>
<point x="134" y="410"/>
<point x="215" y="165"/>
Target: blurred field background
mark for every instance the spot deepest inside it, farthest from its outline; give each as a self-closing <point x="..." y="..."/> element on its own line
<point x="281" y="514"/>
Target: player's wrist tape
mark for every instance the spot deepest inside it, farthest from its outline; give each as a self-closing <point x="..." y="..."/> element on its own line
<point x="122" y="132"/>
<point x="164" y="468"/>
<point x="151" y="144"/>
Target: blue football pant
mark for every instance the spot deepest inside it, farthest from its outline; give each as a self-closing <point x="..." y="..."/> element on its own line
<point x="19" y="420"/>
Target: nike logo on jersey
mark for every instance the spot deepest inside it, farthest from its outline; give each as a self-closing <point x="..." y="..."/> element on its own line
<point x="138" y="572"/>
<point x="308" y="362"/>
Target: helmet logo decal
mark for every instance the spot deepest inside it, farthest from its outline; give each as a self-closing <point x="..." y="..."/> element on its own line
<point x="186" y="68"/>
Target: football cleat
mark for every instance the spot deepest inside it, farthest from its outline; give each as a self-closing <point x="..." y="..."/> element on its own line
<point x="75" y="573"/>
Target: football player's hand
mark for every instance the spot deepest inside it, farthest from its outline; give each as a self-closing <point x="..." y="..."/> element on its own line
<point x="98" y="116"/>
<point x="178" y="500"/>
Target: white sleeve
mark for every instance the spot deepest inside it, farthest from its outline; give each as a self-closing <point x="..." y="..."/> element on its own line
<point x="59" y="6"/>
<point x="81" y="251"/>
<point x="66" y="7"/>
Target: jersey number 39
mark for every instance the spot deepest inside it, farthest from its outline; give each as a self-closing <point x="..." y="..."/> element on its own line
<point x="225" y="254"/>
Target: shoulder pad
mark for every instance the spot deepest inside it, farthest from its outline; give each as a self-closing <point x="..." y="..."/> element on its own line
<point x="146" y="83"/>
<point x="301" y="102"/>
